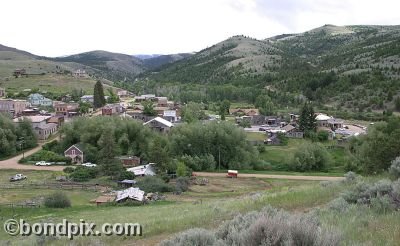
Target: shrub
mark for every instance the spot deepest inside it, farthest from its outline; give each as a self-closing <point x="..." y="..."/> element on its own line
<point x="311" y="157"/>
<point x="339" y="205"/>
<point x="182" y="184"/>
<point x="82" y="174"/>
<point x="394" y="169"/>
<point x="69" y="170"/>
<point x="181" y="169"/>
<point x="350" y="177"/>
<point x="153" y="184"/>
<point x="192" y="237"/>
<point x="261" y="148"/>
<point x="323" y="136"/>
<point x="126" y="175"/>
<point x="381" y="204"/>
<point x="57" y="200"/>
<point x="267" y="227"/>
<point x="49" y="156"/>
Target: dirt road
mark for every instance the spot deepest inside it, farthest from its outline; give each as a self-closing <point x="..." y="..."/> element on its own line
<point x="272" y="176"/>
<point x="12" y="163"/>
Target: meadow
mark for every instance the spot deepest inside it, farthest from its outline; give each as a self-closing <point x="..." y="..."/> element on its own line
<point x="202" y="206"/>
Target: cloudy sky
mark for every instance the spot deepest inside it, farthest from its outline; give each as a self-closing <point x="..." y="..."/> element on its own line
<point x="63" y="27"/>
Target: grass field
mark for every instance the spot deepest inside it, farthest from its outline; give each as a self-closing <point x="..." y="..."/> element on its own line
<point x="54" y="83"/>
<point x="278" y="156"/>
<point x="203" y="206"/>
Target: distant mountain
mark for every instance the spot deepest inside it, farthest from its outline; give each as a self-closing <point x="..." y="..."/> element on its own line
<point x="4" y="48"/>
<point x="113" y="66"/>
<point x="144" y="56"/>
<point x="334" y="65"/>
<point x="156" y="62"/>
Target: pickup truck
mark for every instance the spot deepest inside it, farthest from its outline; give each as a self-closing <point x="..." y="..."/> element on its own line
<point x="43" y="163"/>
<point x="17" y="177"/>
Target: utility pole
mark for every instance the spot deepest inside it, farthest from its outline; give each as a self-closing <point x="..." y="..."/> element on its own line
<point x="219" y="158"/>
<point x="22" y="146"/>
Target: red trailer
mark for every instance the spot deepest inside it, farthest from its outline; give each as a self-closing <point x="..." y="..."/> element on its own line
<point x="232" y="174"/>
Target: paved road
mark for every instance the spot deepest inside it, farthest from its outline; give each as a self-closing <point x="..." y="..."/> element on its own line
<point x="272" y="176"/>
<point x="12" y="163"/>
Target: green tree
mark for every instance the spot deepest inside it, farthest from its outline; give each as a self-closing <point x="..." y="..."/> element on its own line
<point x="311" y="157"/>
<point x="307" y="121"/>
<point x="265" y="105"/>
<point x="7" y="136"/>
<point x="148" y="108"/>
<point x="98" y="95"/>
<point x="397" y="104"/>
<point x="84" y="107"/>
<point x="25" y="134"/>
<point x="113" y="98"/>
<point x="192" y="112"/>
<point x="181" y="169"/>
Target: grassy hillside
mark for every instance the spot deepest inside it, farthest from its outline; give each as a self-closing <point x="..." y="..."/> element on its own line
<point x="349" y="67"/>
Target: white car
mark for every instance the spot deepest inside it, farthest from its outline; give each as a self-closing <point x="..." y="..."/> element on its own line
<point x="43" y="163"/>
<point x="89" y="164"/>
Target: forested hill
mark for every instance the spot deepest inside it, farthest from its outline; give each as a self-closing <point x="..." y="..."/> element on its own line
<point x="342" y="66"/>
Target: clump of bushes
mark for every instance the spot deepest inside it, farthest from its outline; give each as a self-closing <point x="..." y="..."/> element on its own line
<point x="45" y="155"/>
<point x="268" y="227"/>
<point x="182" y="184"/>
<point x="151" y="184"/>
<point x="394" y="169"/>
<point x="82" y="174"/>
<point x="311" y="157"/>
<point x="57" y="200"/>
<point x="382" y="196"/>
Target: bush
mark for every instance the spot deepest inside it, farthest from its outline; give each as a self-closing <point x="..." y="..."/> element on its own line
<point x="181" y="169"/>
<point x="350" y="177"/>
<point x="323" y="136"/>
<point x="69" y="170"/>
<point x="126" y="175"/>
<point x="382" y="196"/>
<point x="268" y="227"/>
<point x="153" y="184"/>
<point x="57" y="200"/>
<point x="82" y="174"/>
<point x="49" y="156"/>
<point x="339" y="205"/>
<point x="311" y="157"/>
<point x="192" y="237"/>
<point x="182" y="184"/>
<point x="394" y="169"/>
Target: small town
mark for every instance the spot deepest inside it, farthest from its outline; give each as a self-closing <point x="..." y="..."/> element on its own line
<point x="216" y="123"/>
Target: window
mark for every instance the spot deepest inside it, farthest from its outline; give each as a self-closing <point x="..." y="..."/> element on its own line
<point x="73" y="152"/>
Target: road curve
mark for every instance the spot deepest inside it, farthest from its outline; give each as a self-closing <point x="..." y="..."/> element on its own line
<point x="12" y="163"/>
<point x="272" y="176"/>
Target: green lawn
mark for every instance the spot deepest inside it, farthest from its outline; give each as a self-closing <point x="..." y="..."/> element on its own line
<point x="256" y="136"/>
<point x="277" y="156"/>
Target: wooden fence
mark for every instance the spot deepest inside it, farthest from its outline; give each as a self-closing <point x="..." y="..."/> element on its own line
<point x="46" y="185"/>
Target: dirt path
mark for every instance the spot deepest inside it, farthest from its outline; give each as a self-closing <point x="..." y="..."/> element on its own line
<point x="12" y="163"/>
<point x="272" y="176"/>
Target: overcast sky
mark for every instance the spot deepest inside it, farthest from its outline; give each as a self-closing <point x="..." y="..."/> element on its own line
<point x="63" y="27"/>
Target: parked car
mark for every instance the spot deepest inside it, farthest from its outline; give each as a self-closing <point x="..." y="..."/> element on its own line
<point x="17" y="177"/>
<point x="43" y="163"/>
<point x="261" y="129"/>
<point x="89" y="164"/>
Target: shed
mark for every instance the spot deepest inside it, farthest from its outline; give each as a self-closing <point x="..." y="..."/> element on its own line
<point x="232" y="174"/>
<point x="127" y="183"/>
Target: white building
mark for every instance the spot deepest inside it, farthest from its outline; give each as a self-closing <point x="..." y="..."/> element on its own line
<point x="144" y="170"/>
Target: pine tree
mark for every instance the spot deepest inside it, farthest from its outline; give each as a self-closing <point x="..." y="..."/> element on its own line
<point x="307" y="121"/>
<point x="98" y="95"/>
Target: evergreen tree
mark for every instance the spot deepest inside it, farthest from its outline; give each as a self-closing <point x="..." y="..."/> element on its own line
<point x="397" y="104"/>
<point x="98" y="95"/>
<point x="307" y="121"/>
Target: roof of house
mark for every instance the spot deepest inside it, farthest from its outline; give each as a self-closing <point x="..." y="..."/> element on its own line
<point x="322" y="117"/>
<point x="131" y="193"/>
<point x="33" y="118"/>
<point x="160" y="120"/>
<point x="47" y="126"/>
<point x="77" y="146"/>
<point x="288" y="128"/>
<point x="139" y="170"/>
<point x="244" y="110"/>
<point x="127" y="181"/>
